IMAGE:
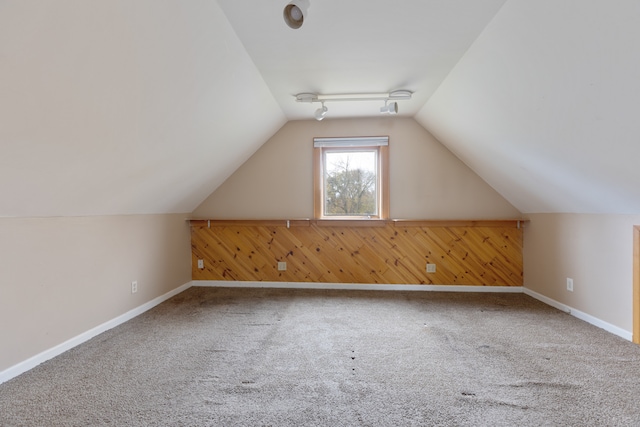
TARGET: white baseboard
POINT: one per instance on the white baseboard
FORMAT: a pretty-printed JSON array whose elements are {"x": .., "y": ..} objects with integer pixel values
[
  {"x": 356, "y": 286},
  {"x": 34, "y": 361},
  {"x": 581, "y": 315}
]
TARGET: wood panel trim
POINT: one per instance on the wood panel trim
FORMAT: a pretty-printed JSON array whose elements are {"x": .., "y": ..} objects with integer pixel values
[
  {"x": 518, "y": 223},
  {"x": 384, "y": 183},
  {"x": 317, "y": 183},
  {"x": 250, "y": 222},
  {"x": 636, "y": 284},
  {"x": 509, "y": 223}
]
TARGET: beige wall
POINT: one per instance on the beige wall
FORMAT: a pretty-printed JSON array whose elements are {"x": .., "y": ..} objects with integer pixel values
[
  {"x": 60, "y": 277},
  {"x": 596, "y": 251},
  {"x": 427, "y": 180}
]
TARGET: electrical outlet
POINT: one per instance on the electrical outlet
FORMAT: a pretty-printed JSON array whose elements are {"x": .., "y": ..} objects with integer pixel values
[
  {"x": 200, "y": 264},
  {"x": 431, "y": 268},
  {"x": 569, "y": 284},
  {"x": 134, "y": 286},
  {"x": 282, "y": 266}
]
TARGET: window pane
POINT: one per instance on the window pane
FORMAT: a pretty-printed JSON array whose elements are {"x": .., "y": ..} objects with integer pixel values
[{"x": 350, "y": 181}]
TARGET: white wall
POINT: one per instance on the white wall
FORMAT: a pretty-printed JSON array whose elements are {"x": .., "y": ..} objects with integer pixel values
[
  {"x": 426, "y": 180},
  {"x": 594, "y": 250},
  {"x": 60, "y": 277}
]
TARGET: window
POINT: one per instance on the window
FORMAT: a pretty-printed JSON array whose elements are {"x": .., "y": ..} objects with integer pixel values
[{"x": 351, "y": 178}]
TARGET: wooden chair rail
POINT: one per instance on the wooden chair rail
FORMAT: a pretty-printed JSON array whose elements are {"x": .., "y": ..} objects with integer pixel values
[{"x": 515, "y": 223}]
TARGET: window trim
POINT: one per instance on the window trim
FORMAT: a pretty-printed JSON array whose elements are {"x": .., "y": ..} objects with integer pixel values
[{"x": 379, "y": 143}]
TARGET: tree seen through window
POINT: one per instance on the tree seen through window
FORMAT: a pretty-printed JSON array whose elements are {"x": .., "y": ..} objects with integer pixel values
[{"x": 350, "y": 183}]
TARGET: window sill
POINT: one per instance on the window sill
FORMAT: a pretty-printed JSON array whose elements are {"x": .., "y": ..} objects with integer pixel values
[{"x": 351, "y": 222}]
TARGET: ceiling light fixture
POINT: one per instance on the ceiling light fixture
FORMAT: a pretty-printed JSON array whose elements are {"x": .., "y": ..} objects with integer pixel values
[
  {"x": 295, "y": 12},
  {"x": 388, "y": 108},
  {"x": 321, "y": 112}
]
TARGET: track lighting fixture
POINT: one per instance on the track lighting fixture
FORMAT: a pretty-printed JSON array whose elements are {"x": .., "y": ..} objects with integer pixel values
[
  {"x": 321, "y": 112},
  {"x": 389, "y": 108},
  {"x": 390, "y": 104},
  {"x": 295, "y": 12}
]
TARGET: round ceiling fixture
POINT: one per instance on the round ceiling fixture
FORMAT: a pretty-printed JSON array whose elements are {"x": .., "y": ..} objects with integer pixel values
[{"x": 295, "y": 12}]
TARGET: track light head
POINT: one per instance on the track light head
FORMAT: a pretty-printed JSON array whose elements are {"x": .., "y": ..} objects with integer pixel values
[
  {"x": 295, "y": 12},
  {"x": 391, "y": 108},
  {"x": 321, "y": 112}
]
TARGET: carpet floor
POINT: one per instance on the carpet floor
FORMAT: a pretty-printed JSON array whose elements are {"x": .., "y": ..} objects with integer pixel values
[{"x": 275, "y": 357}]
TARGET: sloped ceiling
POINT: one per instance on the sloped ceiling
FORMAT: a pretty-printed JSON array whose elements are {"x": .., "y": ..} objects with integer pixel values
[
  {"x": 144, "y": 106},
  {"x": 129, "y": 107},
  {"x": 544, "y": 106},
  {"x": 358, "y": 46},
  {"x": 123, "y": 107}
]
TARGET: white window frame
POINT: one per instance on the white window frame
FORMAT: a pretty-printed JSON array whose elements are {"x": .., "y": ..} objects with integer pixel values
[{"x": 380, "y": 144}]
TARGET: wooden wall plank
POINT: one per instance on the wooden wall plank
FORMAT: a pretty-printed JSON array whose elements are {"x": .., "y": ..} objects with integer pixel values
[{"x": 465, "y": 253}]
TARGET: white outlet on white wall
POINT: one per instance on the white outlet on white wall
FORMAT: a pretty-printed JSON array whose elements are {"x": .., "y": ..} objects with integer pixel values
[
  {"x": 134, "y": 286},
  {"x": 201, "y": 264},
  {"x": 569, "y": 284}
]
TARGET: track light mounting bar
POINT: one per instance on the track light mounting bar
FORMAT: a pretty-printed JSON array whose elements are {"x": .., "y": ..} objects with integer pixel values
[{"x": 390, "y": 96}]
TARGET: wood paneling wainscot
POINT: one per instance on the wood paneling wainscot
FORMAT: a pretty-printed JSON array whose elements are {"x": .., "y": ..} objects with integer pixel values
[{"x": 480, "y": 253}]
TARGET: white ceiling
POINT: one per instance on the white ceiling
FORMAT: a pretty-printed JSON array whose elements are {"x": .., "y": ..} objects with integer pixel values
[
  {"x": 358, "y": 46},
  {"x": 140, "y": 106}
]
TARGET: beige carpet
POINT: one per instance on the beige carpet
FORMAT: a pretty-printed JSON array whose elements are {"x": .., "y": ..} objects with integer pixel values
[{"x": 260, "y": 357}]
